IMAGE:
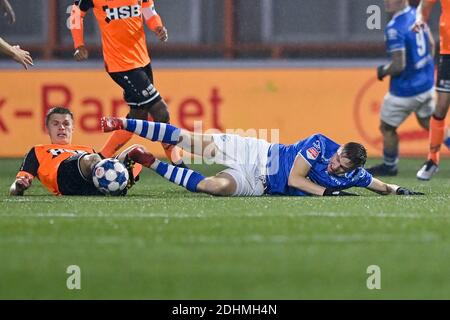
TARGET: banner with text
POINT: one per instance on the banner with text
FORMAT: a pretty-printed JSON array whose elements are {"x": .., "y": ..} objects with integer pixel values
[{"x": 343, "y": 104}]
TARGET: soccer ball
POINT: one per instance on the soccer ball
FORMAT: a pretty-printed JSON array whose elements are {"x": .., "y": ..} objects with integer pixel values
[{"x": 110, "y": 177}]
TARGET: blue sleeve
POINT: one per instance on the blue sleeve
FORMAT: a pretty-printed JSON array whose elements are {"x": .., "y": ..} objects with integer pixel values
[
  {"x": 395, "y": 40},
  {"x": 312, "y": 149},
  {"x": 364, "y": 179}
]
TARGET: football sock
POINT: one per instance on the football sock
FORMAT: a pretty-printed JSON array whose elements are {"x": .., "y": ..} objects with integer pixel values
[
  {"x": 390, "y": 158},
  {"x": 183, "y": 177},
  {"x": 437, "y": 131},
  {"x": 154, "y": 131},
  {"x": 115, "y": 141}
]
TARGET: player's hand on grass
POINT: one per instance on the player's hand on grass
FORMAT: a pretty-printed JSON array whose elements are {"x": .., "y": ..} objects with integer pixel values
[
  {"x": 161, "y": 33},
  {"x": 406, "y": 192},
  {"x": 21, "y": 56},
  {"x": 20, "y": 185},
  {"x": 7, "y": 11},
  {"x": 337, "y": 193},
  {"x": 81, "y": 53}
]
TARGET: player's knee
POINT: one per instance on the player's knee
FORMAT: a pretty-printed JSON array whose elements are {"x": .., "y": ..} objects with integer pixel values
[
  {"x": 442, "y": 105},
  {"x": 136, "y": 113},
  {"x": 440, "y": 112},
  {"x": 88, "y": 162},
  {"x": 424, "y": 122},
  {"x": 218, "y": 190},
  {"x": 160, "y": 112},
  {"x": 91, "y": 160},
  {"x": 217, "y": 187},
  {"x": 387, "y": 129}
]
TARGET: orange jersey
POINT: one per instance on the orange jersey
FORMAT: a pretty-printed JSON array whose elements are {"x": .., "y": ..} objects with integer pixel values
[
  {"x": 43, "y": 161},
  {"x": 121, "y": 24},
  {"x": 444, "y": 24}
]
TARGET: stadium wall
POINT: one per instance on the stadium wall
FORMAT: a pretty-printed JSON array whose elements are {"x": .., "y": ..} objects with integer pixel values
[{"x": 342, "y": 103}]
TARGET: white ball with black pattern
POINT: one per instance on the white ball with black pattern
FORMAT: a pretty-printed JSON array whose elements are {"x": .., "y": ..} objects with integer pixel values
[{"x": 110, "y": 177}]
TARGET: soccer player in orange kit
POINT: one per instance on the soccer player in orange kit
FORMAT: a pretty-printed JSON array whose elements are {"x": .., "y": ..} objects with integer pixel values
[
  {"x": 62, "y": 167},
  {"x": 437, "y": 122},
  {"x": 126, "y": 59}
]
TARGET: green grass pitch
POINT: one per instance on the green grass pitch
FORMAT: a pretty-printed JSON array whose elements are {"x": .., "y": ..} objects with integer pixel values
[{"x": 162, "y": 242}]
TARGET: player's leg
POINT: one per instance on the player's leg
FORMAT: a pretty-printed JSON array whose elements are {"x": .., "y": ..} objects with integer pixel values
[
  {"x": 393, "y": 112},
  {"x": 425, "y": 109},
  {"x": 424, "y": 122},
  {"x": 223, "y": 184},
  {"x": 437, "y": 122},
  {"x": 134, "y": 169},
  {"x": 119, "y": 138},
  {"x": 160, "y": 113},
  {"x": 143, "y": 99},
  {"x": 390, "y": 145},
  {"x": 437, "y": 126},
  {"x": 74, "y": 175},
  {"x": 390, "y": 152},
  {"x": 245, "y": 157},
  {"x": 436, "y": 138},
  {"x": 155, "y": 105},
  {"x": 184, "y": 177},
  {"x": 163, "y": 132},
  {"x": 87, "y": 163}
]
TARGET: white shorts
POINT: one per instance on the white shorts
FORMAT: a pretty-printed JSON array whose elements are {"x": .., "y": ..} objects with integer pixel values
[
  {"x": 396, "y": 109},
  {"x": 246, "y": 159}
]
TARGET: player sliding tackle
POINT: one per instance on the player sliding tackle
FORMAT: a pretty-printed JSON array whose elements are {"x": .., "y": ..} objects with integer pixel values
[{"x": 313, "y": 166}]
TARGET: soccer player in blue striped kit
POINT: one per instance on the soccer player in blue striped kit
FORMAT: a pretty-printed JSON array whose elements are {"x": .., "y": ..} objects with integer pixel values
[
  {"x": 411, "y": 86},
  {"x": 313, "y": 166}
]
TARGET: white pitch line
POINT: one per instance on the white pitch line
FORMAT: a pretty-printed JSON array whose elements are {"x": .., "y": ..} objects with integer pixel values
[
  {"x": 246, "y": 239},
  {"x": 202, "y": 215}
]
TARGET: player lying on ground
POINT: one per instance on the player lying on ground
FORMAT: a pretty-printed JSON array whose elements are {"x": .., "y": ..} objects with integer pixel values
[
  {"x": 63, "y": 168},
  {"x": 314, "y": 166}
]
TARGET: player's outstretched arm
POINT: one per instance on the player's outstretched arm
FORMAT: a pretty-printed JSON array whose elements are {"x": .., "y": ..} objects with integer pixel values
[
  {"x": 7, "y": 11},
  {"x": 382, "y": 188},
  {"x": 423, "y": 14},
  {"x": 298, "y": 179},
  {"x": 19, "y": 186},
  {"x": 16, "y": 53}
]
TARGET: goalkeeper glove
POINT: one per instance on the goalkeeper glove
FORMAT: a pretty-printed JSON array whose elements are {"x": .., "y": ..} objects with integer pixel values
[
  {"x": 336, "y": 193},
  {"x": 406, "y": 192},
  {"x": 381, "y": 73}
]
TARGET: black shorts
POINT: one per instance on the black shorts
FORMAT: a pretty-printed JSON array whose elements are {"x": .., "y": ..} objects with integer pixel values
[
  {"x": 71, "y": 181},
  {"x": 443, "y": 79},
  {"x": 137, "y": 85}
]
